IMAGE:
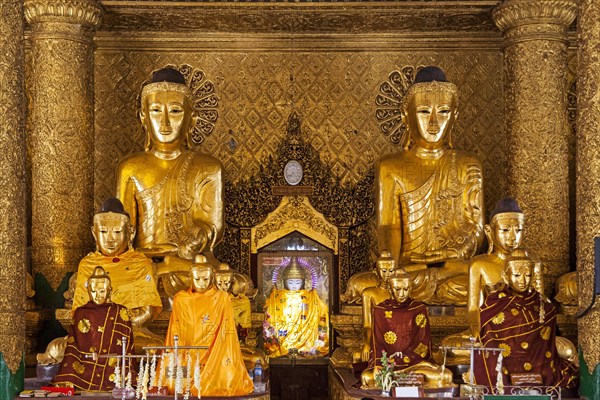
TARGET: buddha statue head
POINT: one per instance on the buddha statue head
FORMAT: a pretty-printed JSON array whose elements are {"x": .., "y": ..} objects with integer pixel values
[
  {"x": 400, "y": 286},
  {"x": 505, "y": 230},
  {"x": 294, "y": 275},
  {"x": 429, "y": 109},
  {"x": 167, "y": 112},
  {"x": 224, "y": 277},
  {"x": 385, "y": 267},
  {"x": 201, "y": 274},
  {"x": 112, "y": 229},
  {"x": 98, "y": 286},
  {"x": 518, "y": 272}
]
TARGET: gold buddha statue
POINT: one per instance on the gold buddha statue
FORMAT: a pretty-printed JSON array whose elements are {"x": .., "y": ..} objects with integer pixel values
[
  {"x": 172, "y": 193},
  {"x": 400, "y": 327},
  {"x": 203, "y": 316},
  {"x": 242, "y": 314},
  {"x": 98, "y": 326},
  {"x": 372, "y": 296},
  {"x": 518, "y": 319},
  {"x": 429, "y": 197},
  {"x": 505, "y": 235},
  {"x": 133, "y": 275},
  {"x": 296, "y": 319}
]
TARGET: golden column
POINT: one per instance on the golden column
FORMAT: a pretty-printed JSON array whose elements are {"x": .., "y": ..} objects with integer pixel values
[
  {"x": 535, "y": 65},
  {"x": 61, "y": 132},
  {"x": 12, "y": 202},
  {"x": 588, "y": 189}
]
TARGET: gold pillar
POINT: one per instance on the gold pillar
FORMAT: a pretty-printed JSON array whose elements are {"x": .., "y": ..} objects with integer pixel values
[
  {"x": 535, "y": 65},
  {"x": 61, "y": 132},
  {"x": 12, "y": 184},
  {"x": 588, "y": 172}
]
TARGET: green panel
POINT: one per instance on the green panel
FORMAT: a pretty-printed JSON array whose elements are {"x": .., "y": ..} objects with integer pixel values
[
  {"x": 11, "y": 384},
  {"x": 589, "y": 384}
]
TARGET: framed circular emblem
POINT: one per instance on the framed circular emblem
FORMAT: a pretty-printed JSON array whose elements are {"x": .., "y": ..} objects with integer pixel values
[{"x": 292, "y": 172}]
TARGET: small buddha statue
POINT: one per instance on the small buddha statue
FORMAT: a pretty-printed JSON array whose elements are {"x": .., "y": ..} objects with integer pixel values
[
  {"x": 517, "y": 319},
  {"x": 203, "y": 316},
  {"x": 172, "y": 193},
  {"x": 98, "y": 327},
  {"x": 372, "y": 296},
  {"x": 296, "y": 319},
  {"x": 133, "y": 275},
  {"x": 242, "y": 314},
  {"x": 504, "y": 234},
  {"x": 400, "y": 326},
  {"x": 429, "y": 197}
]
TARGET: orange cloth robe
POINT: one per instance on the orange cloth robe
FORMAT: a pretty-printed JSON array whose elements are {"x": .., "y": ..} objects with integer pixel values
[
  {"x": 96, "y": 329},
  {"x": 296, "y": 319},
  {"x": 206, "y": 319},
  {"x": 132, "y": 277}
]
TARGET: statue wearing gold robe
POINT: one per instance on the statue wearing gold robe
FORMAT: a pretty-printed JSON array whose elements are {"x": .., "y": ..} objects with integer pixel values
[
  {"x": 430, "y": 196},
  {"x": 296, "y": 318}
]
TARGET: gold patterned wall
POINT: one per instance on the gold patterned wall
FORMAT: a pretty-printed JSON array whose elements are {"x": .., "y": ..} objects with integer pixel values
[{"x": 333, "y": 92}]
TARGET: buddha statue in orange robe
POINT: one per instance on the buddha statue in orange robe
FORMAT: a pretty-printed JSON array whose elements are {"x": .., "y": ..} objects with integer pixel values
[{"x": 203, "y": 316}]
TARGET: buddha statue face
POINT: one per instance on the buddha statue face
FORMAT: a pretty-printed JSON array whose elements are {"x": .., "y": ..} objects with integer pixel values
[
  {"x": 518, "y": 275},
  {"x": 294, "y": 275},
  {"x": 385, "y": 267},
  {"x": 201, "y": 278},
  {"x": 112, "y": 233},
  {"x": 99, "y": 290},
  {"x": 167, "y": 116},
  {"x": 430, "y": 116},
  {"x": 505, "y": 233},
  {"x": 224, "y": 280},
  {"x": 294, "y": 284},
  {"x": 400, "y": 288}
]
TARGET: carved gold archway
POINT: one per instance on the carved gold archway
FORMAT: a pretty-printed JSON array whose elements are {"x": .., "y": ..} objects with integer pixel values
[{"x": 295, "y": 213}]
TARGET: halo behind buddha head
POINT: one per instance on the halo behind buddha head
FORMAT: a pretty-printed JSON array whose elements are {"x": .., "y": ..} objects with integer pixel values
[
  {"x": 506, "y": 207},
  {"x": 112, "y": 205},
  {"x": 168, "y": 79}
]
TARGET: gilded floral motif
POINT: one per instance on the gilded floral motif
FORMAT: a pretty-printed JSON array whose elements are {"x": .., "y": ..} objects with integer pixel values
[
  {"x": 498, "y": 319},
  {"x": 390, "y": 337},
  {"x": 388, "y": 314},
  {"x": 545, "y": 333},
  {"x": 506, "y": 350},
  {"x": 84, "y": 326},
  {"x": 421, "y": 320},
  {"x": 124, "y": 314},
  {"x": 78, "y": 367},
  {"x": 422, "y": 350}
]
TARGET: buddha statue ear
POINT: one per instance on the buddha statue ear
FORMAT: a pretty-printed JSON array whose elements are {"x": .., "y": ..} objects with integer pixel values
[
  {"x": 95, "y": 238},
  {"x": 142, "y": 117},
  {"x": 188, "y": 141},
  {"x": 488, "y": 233},
  {"x": 132, "y": 233}
]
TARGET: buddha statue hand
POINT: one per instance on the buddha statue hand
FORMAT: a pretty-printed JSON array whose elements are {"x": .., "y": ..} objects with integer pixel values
[
  {"x": 434, "y": 256},
  {"x": 196, "y": 244},
  {"x": 366, "y": 352}
]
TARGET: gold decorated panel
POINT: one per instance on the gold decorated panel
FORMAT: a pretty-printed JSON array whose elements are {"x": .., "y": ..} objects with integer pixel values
[{"x": 333, "y": 90}]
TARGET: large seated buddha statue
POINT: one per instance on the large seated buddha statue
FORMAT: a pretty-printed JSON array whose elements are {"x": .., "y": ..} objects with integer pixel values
[
  {"x": 399, "y": 326},
  {"x": 203, "y": 316},
  {"x": 429, "y": 197},
  {"x": 172, "y": 193},
  {"x": 98, "y": 327},
  {"x": 518, "y": 320},
  {"x": 296, "y": 319}
]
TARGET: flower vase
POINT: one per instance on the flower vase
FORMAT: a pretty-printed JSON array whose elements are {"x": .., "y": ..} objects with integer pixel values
[{"x": 385, "y": 393}]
